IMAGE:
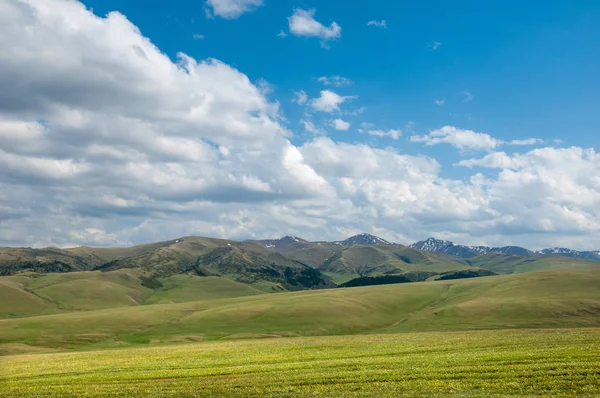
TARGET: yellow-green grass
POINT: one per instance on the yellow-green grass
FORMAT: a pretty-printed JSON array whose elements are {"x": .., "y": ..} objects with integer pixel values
[
  {"x": 16, "y": 301},
  {"x": 536, "y": 300},
  {"x": 184, "y": 288},
  {"x": 549, "y": 363},
  {"x": 506, "y": 264},
  {"x": 37, "y": 294}
]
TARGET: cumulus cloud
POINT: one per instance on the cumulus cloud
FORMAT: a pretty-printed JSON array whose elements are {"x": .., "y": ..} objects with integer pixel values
[
  {"x": 440, "y": 101},
  {"x": 393, "y": 134},
  {"x": 379, "y": 24},
  {"x": 311, "y": 128},
  {"x": 109, "y": 114},
  {"x": 337, "y": 81},
  {"x": 459, "y": 138},
  {"x": 300, "y": 97},
  {"x": 468, "y": 139},
  {"x": 554, "y": 181},
  {"x": 104, "y": 140},
  {"x": 328, "y": 101},
  {"x": 231, "y": 9},
  {"x": 303, "y": 23},
  {"x": 340, "y": 125},
  {"x": 527, "y": 141},
  {"x": 364, "y": 126}
]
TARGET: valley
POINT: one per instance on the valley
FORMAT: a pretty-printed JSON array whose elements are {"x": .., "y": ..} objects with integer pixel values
[{"x": 171, "y": 309}]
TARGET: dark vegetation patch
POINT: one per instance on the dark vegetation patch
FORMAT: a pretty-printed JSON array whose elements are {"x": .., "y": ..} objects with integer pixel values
[
  {"x": 376, "y": 280},
  {"x": 151, "y": 282},
  {"x": 464, "y": 274},
  {"x": 52, "y": 266}
]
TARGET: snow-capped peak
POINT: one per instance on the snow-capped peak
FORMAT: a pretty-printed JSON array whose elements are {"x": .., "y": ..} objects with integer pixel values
[
  {"x": 480, "y": 249},
  {"x": 364, "y": 239},
  {"x": 432, "y": 245}
]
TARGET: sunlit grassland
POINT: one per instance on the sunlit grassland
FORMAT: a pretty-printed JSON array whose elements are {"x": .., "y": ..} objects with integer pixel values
[
  {"x": 482, "y": 363},
  {"x": 556, "y": 299}
]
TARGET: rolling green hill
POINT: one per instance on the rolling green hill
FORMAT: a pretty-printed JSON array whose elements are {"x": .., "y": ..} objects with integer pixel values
[
  {"x": 30, "y": 294},
  {"x": 532, "y": 300},
  {"x": 239, "y": 261},
  {"x": 13, "y": 260},
  {"x": 287, "y": 264},
  {"x": 510, "y": 264},
  {"x": 342, "y": 263}
]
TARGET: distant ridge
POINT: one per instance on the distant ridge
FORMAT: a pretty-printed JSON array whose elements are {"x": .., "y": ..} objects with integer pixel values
[
  {"x": 293, "y": 242},
  {"x": 291, "y": 262},
  {"x": 282, "y": 243},
  {"x": 443, "y": 246},
  {"x": 364, "y": 239}
]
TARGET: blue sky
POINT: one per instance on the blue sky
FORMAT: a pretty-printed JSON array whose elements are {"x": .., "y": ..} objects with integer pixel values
[
  {"x": 466, "y": 120},
  {"x": 531, "y": 69}
]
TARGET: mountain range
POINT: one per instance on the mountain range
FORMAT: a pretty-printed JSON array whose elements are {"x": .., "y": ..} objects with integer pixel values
[
  {"x": 292, "y": 263},
  {"x": 444, "y": 246}
]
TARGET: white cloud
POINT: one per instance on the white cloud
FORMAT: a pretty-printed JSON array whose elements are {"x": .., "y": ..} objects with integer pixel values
[
  {"x": 547, "y": 190},
  {"x": 328, "y": 101},
  {"x": 303, "y": 23},
  {"x": 364, "y": 126},
  {"x": 264, "y": 87},
  {"x": 468, "y": 139},
  {"x": 492, "y": 160},
  {"x": 232, "y": 9},
  {"x": 459, "y": 138},
  {"x": 282, "y": 34},
  {"x": 110, "y": 142},
  {"x": 379, "y": 24},
  {"x": 527, "y": 141},
  {"x": 340, "y": 125},
  {"x": 311, "y": 128},
  {"x": 393, "y": 134},
  {"x": 198, "y": 36},
  {"x": 434, "y": 45},
  {"x": 440, "y": 101},
  {"x": 300, "y": 97},
  {"x": 356, "y": 111},
  {"x": 337, "y": 81}
]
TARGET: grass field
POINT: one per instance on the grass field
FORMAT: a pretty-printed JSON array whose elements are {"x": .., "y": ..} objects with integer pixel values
[
  {"x": 464, "y": 364},
  {"x": 32, "y": 294},
  {"x": 506, "y": 264},
  {"x": 509, "y": 335},
  {"x": 535, "y": 300}
]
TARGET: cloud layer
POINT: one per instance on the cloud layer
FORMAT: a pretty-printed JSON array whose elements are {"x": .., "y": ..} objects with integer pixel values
[
  {"x": 303, "y": 23},
  {"x": 231, "y": 9},
  {"x": 105, "y": 140},
  {"x": 328, "y": 101}
]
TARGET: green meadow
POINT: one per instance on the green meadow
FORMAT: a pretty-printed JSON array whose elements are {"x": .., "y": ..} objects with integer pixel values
[
  {"x": 532, "y": 334},
  {"x": 549, "y": 363}
]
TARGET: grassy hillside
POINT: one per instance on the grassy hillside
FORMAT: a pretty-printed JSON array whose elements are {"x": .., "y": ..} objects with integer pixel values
[
  {"x": 286, "y": 264},
  {"x": 242, "y": 262},
  {"x": 15, "y": 301},
  {"x": 184, "y": 288},
  {"x": 100, "y": 256},
  {"x": 510, "y": 264},
  {"x": 343, "y": 264},
  {"x": 35, "y": 294},
  {"x": 13, "y": 260},
  {"x": 545, "y": 299},
  {"x": 519, "y": 363}
]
